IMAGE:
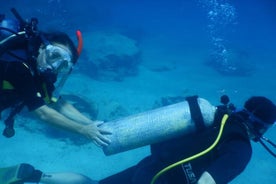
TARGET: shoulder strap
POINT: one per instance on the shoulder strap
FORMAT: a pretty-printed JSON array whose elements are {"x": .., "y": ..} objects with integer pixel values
[{"x": 196, "y": 113}]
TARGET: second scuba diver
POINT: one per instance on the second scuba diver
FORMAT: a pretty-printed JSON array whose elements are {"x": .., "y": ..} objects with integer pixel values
[
  {"x": 218, "y": 165},
  {"x": 33, "y": 67}
]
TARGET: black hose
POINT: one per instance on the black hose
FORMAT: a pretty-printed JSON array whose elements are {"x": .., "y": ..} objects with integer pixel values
[{"x": 266, "y": 147}]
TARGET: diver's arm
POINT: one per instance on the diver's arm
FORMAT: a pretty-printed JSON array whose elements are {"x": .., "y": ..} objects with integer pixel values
[
  {"x": 71, "y": 112},
  {"x": 65, "y": 178},
  {"x": 53, "y": 117},
  {"x": 206, "y": 178}
]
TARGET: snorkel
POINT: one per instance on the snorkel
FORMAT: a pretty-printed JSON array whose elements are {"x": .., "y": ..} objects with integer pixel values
[
  {"x": 80, "y": 42},
  {"x": 64, "y": 78}
]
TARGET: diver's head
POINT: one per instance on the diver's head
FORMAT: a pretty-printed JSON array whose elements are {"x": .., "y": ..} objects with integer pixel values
[
  {"x": 261, "y": 115},
  {"x": 56, "y": 54},
  {"x": 54, "y": 57}
]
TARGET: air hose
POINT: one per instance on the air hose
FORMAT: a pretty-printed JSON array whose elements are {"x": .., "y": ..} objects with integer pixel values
[{"x": 223, "y": 121}]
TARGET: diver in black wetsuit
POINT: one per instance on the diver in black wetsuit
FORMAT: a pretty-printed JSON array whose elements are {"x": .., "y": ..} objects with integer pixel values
[
  {"x": 33, "y": 67},
  {"x": 219, "y": 166}
]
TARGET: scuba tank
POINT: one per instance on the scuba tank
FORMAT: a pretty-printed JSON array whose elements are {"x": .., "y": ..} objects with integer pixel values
[
  {"x": 16, "y": 31},
  {"x": 184, "y": 118},
  {"x": 8, "y": 27}
]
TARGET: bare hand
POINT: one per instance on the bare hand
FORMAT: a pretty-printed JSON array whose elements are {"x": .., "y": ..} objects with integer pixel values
[{"x": 97, "y": 134}]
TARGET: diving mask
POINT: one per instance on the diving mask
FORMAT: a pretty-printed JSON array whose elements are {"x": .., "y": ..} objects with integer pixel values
[
  {"x": 54, "y": 62},
  {"x": 56, "y": 58},
  {"x": 257, "y": 126}
]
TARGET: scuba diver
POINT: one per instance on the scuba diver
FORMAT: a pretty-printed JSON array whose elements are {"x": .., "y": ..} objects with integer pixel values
[
  {"x": 33, "y": 68},
  {"x": 215, "y": 155},
  {"x": 188, "y": 159}
]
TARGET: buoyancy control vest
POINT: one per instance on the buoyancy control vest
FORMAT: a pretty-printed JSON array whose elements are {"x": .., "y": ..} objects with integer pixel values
[{"x": 18, "y": 44}]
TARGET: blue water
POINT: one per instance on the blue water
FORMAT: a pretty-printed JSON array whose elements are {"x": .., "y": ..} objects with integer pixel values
[{"x": 204, "y": 47}]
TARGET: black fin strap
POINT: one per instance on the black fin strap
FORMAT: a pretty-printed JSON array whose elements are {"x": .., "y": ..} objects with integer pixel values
[{"x": 196, "y": 114}]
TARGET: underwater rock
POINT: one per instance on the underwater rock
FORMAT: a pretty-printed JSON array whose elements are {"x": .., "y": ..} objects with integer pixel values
[
  {"x": 87, "y": 108},
  {"x": 162, "y": 68},
  {"x": 118, "y": 112},
  {"x": 114, "y": 56},
  {"x": 112, "y": 110},
  {"x": 231, "y": 62},
  {"x": 168, "y": 100}
]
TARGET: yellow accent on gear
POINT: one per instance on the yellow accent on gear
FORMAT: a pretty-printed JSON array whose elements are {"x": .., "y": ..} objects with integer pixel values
[
  {"x": 223, "y": 121},
  {"x": 47, "y": 98},
  {"x": 7, "y": 85}
]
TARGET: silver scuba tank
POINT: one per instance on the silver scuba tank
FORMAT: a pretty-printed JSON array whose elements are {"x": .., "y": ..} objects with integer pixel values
[{"x": 155, "y": 126}]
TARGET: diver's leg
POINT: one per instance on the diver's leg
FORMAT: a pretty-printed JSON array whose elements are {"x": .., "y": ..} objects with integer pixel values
[
  {"x": 26, "y": 173},
  {"x": 66, "y": 178},
  {"x": 19, "y": 174},
  {"x": 136, "y": 174}
]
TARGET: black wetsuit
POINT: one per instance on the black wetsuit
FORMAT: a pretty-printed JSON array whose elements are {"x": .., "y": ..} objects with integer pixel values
[
  {"x": 24, "y": 86},
  {"x": 28, "y": 87},
  {"x": 227, "y": 160}
]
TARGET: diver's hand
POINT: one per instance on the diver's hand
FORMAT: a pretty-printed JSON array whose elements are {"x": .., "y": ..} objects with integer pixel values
[{"x": 94, "y": 132}]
